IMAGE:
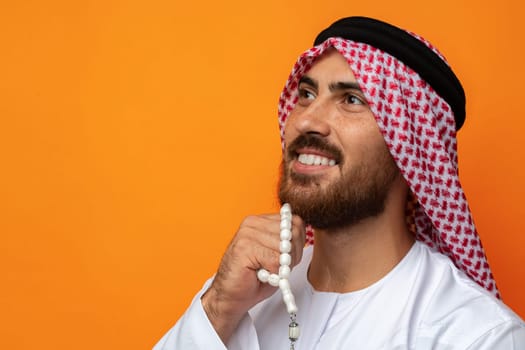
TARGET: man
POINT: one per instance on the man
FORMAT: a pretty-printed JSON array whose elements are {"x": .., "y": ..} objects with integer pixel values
[{"x": 368, "y": 123}]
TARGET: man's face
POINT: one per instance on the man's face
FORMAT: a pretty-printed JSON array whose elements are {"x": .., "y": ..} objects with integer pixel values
[{"x": 336, "y": 166}]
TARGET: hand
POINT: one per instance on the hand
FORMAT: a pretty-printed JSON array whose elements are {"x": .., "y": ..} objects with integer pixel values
[{"x": 236, "y": 288}]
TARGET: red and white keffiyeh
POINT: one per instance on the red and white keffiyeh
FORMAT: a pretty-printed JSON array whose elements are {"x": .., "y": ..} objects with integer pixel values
[{"x": 419, "y": 129}]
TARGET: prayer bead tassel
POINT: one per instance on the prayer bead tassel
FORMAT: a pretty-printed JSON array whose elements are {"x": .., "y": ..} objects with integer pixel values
[
  {"x": 293, "y": 331},
  {"x": 281, "y": 280}
]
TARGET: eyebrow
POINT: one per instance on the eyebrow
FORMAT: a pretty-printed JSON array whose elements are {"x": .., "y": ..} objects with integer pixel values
[
  {"x": 307, "y": 80},
  {"x": 342, "y": 85}
]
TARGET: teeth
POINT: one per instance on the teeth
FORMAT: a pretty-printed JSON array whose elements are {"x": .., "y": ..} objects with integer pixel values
[{"x": 311, "y": 159}]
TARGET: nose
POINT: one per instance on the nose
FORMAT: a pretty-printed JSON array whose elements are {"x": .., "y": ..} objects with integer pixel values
[{"x": 312, "y": 119}]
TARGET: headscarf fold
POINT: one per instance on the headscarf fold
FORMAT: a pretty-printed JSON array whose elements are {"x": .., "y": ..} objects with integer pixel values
[{"x": 419, "y": 128}]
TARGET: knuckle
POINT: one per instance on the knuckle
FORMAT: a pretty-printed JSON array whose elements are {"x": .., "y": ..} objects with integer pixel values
[
  {"x": 249, "y": 220},
  {"x": 270, "y": 259},
  {"x": 240, "y": 244}
]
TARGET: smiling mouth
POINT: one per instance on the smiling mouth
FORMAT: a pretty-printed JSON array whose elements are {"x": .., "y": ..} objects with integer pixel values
[
  {"x": 313, "y": 154},
  {"x": 314, "y": 159}
]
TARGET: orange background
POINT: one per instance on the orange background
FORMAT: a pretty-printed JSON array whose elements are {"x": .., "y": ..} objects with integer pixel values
[{"x": 135, "y": 136}]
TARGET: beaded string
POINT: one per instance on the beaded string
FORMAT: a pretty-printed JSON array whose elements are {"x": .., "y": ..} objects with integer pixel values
[{"x": 281, "y": 280}]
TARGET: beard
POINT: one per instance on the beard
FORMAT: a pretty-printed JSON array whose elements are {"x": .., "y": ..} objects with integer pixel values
[{"x": 359, "y": 193}]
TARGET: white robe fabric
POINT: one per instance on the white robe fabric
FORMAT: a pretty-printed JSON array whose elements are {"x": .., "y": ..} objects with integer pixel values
[{"x": 425, "y": 302}]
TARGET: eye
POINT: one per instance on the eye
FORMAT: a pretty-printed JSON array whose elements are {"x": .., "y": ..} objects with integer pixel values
[
  {"x": 305, "y": 96},
  {"x": 353, "y": 100},
  {"x": 304, "y": 93}
]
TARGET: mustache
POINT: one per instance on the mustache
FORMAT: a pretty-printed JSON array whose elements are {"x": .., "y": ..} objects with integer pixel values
[{"x": 316, "y": 142}]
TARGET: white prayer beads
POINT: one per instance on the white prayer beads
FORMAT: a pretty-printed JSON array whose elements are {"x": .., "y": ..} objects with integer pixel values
[
  {"x": 284, "y": 271},
  {"x": 263, "y": 275},
  {"x": 273, "y": 280},
  {"x": 281, "y": 280}
]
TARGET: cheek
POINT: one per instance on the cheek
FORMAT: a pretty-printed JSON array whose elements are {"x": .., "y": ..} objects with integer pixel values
[
  {"x": 361, "y": 141},
  {"x": 290, "y": 133}
]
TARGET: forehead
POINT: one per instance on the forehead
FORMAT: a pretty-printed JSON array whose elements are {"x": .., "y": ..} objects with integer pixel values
[{"x": 331, "y": 66}]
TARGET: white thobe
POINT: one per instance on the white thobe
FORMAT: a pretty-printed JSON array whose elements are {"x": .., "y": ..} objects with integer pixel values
[{"x": 425, "y": 302}]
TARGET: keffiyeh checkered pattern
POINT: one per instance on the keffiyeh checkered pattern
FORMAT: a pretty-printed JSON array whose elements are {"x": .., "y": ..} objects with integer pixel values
[{"x": 419, "y": 129}]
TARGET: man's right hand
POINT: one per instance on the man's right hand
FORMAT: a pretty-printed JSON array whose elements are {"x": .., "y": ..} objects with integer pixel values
[{"x": 236, "y": 288}]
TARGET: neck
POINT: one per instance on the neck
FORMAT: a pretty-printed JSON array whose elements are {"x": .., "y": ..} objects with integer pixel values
[{"x": 352, "y": 258}]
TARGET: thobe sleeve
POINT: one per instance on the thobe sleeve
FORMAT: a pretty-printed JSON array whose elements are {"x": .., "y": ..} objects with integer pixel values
[
  {"x": 507, "y": 336},
  {"x": 194, "y": 331}
]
